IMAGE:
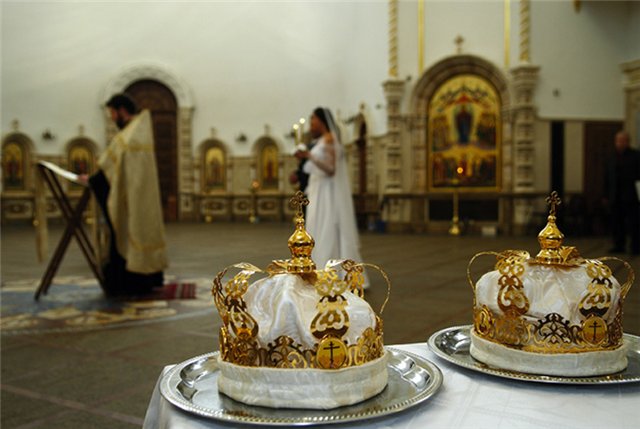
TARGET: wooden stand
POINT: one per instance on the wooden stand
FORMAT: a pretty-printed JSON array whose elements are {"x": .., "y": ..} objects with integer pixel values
[{"x": 73, "y": 219}]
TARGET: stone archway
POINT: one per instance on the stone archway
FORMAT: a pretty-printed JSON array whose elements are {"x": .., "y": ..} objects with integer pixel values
[{"x": 185, "y": 106}]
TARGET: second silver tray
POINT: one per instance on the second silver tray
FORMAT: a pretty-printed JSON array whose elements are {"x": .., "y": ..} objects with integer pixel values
[
  {"x": 193, "y": 386},
  {"x": 452, "y": 344}
]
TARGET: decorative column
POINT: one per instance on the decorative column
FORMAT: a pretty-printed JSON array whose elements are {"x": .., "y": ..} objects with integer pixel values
[
  {"x": 186, "y": 179},
  {"x": 391, "y": 172},
  {"x": 507, "y": 33},
  {"x": 523, "y": 114},
  {"x": 420, "y": 37},
  {"x": 393, "y": 91},
  {"x": 525, "y": 31},
  {"x": 393, "y": 39}
]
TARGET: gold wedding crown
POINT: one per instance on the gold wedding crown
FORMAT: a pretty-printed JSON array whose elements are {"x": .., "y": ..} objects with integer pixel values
[
  {"x": 553, "y": 333},
  {"x": 239, "y": 332}
]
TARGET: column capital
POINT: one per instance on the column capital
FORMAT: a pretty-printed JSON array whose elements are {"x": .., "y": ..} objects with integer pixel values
[{"x": 393, "y": 88}]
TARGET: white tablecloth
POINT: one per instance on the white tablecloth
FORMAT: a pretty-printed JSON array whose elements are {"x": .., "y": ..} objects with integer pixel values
[{"x": 468, "y": 399}]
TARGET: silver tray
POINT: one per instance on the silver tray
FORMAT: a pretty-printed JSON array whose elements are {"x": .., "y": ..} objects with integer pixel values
[
  {"x": 193, "y": 387},
  {"x": 452, "y": 344}
]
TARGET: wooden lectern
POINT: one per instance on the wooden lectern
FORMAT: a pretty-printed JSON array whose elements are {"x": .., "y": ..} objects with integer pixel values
[{"x": 73, "y": 218}]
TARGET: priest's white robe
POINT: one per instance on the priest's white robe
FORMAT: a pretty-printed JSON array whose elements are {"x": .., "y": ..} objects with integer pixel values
[{"x": 134, "y": 206}]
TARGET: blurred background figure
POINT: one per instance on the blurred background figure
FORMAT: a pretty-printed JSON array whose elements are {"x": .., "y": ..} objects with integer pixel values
[
  {"x": 330, "y": 215},
  {"x": 623, "y": 181}
]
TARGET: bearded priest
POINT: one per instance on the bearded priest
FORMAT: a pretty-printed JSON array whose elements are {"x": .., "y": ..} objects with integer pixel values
[{"x": 126, "y": 188}]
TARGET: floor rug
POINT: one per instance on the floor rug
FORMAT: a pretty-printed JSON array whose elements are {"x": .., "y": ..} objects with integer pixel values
[{"x": 78, "y": 303}]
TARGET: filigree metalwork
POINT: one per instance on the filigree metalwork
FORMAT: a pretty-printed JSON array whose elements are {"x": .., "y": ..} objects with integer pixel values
[
  {"x": 238, "y": 335},
  {"x": 239, "y": 332},
  {"x": 598, "y": 300},
  {"x": 513, "y": 327},
  {"x": 551, "y": 334},
  {"x": 511, "y": 297},
  {"x": 354, "y": 277},
  {"x": 284, "y": 353},
  {"x": 483, "y": 321},
  {"x": 511, "y": 330}
]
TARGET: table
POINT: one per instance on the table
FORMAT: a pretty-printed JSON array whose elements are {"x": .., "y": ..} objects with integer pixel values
[{"x": 468, "y": 399}]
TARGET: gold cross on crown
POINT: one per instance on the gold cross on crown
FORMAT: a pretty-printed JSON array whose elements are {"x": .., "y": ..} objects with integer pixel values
[
  {"x": 298, "y": 201},
  {"x": 554, "y": 201}
]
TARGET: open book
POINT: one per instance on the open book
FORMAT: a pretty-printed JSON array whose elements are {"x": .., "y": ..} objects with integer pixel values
[{"x": 66, "y": 174}]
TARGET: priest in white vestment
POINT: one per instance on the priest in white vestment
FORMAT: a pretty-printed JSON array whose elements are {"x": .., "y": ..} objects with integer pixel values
[
  {"x": 127, "y": 189},
  {"x": 330, "y": 217}
]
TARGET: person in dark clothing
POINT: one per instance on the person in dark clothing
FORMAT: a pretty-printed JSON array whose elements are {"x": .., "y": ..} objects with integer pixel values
[
  {"x": 623, "y": 174},
  {"x": 302, "y": 177},
  {"x": 299, "y": 176}
]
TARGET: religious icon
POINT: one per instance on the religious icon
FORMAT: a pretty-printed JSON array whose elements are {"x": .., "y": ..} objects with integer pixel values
[
  {"x": 463, "y": 118},
  {"x": 80, "y": 160},
  {"x": 269, "y": 166},
  {"x": 594, "y": 329},
  {"x": 464, "y": 135},
  {"x": 486, "y": 130},
  {"x": 214, "y": 169},
  {"x": 331, "y": 354},
  {"x": 13, "y": 166}
]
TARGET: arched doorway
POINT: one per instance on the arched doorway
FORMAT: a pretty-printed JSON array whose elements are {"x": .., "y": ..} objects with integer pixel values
[{"x": 160, "y": 100}]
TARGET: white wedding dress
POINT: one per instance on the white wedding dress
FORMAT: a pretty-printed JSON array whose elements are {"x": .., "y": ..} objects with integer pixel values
[{"x": 330, "y": 216}]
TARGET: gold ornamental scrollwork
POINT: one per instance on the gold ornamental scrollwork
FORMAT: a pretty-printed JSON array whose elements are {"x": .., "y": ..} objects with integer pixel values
[
  {"x": 239, "y": 332},
  {"x": 598, "y": 299},
  {"x": 511, "y": 297},
  {"x": 483, "y": 321},
  {"x": 631, "y": 276},
  {"x": 596, "y": 328}
]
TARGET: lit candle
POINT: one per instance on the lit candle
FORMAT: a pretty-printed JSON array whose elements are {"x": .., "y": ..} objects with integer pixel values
[
  {"x": 295, "y": 133},
  {"x": 301, "y": 122}
]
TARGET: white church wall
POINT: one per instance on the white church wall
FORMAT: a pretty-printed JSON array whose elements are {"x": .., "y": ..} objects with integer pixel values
[
  {"x": 265, "y": 62},
  {"x": 408, "y": 42},
  {"x": 633, "y": 34},
  {"x": 247, "y": 64},
  {"x": 579, "y": 54},
  {"x": 479, "y": 22},
  {"x": 366, "y": 64}
]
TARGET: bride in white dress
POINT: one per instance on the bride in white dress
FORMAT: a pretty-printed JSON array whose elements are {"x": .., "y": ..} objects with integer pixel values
[{"x": 330, "y": 215}]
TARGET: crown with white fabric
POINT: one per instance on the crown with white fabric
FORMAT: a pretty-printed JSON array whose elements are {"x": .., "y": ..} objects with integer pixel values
[
  {"x": 554, "y": 303},
  {"x": 260, "y": 329}
]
